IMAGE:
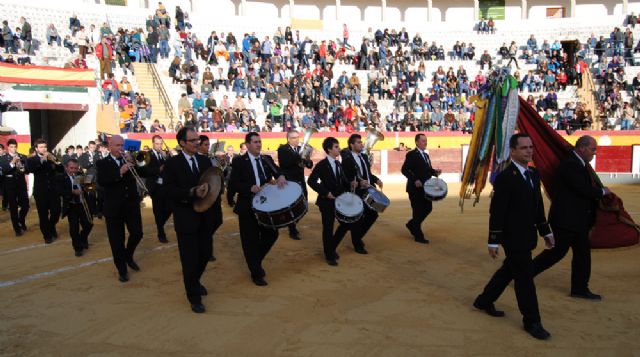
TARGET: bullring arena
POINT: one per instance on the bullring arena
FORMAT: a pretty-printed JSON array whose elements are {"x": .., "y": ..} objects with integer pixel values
[{"x": 401, "y": 299}]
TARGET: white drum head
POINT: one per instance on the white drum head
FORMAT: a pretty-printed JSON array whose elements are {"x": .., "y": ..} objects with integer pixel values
[
  {"x": 271, "y": 198},
  {"x": 349, "y": 204}
]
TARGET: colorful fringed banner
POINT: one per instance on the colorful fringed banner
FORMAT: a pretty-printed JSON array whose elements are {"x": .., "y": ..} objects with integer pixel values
[{"x": 13, "y": 73}]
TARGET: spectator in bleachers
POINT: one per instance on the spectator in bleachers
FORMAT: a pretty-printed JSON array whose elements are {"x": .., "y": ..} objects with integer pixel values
[
  {"x": 68, "y": 44},
  {"x": 74, "y": 24},
  {"x": 110, "y": 89},
  {"x": 53, "y": 36},
  {"x": 104, "y": 53},
  {"x": 139, "y": 127},
  {"x": 197, "y": 103},
  {"x": 7, "y": 37},
  {"x": 126, "y": 88},
  {"x": 26, "y": 36},
  {"x": 485, "y": 59},
  {"x": 627, "y": 117},
  {"x": 82, "y": 38},
  {"x": 157, "y": 127}
]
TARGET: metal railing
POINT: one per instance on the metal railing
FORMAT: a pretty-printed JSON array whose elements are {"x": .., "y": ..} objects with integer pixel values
[
  {"x": 164, "y": 98},
  {"x": 587, "y": 95}
]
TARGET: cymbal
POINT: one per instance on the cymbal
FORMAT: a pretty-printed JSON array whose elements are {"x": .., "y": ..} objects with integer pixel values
[{"x": 213, "y": 177}]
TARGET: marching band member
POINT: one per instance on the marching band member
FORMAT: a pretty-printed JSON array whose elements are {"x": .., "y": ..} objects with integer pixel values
[
  {"x": 194, "y": 230},
  {"x": 249, "y": 173},
  {"x": 292, "y": 166},
  {"x": 155, "y": 184},
  {"x": 87, "y": 162},
  {"x": 357, "y": 167},
  {"x": 329, "y": 181},
  {"x": 417, "y": 169},
  {"x": 44, "y": 167},
  {"x": 15, "y": 186},
  {"x": 121, "y": 206},
  {"x": 203, "y": 150},
  {"x": 72, "y": 208}
]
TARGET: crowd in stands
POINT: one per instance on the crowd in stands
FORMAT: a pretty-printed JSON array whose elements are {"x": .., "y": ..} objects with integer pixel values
[{"x": 288, "y": 81}]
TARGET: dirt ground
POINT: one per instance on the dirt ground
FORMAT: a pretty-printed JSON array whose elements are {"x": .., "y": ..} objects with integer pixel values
[{"x": 403, "y": 299}]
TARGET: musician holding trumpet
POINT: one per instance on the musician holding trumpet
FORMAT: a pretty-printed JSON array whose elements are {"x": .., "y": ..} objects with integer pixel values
[
  {"x": 121, "y": 180},
  {"x": 75, "y": 207},
  {"x": 45, "y": 166},
  {"x": 15, "y": 186},
  {"x": 293, "y": 158}
]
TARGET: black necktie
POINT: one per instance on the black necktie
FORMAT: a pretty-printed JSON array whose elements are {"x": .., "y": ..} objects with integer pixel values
[
  {"x": 426, "y": 158},
  {"x": 365, "y": 174},
  {"x": 337, "y": 171},
  {"x": 119, "y": 161},
  {"x": 194, "y": 167},
  {"x": 262, "y": 176},
  {"x": 527, "y": 176}
]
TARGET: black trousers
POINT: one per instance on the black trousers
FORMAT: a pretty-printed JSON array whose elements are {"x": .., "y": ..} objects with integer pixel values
[
  {"x": 421, "y": 207},
  {"x": 519, "y": 267},
  {"x": 17, "y": 197},
  {"x": 161, "y": 210},
  {"x": 292, "y": 227},
  {"x": 256, "y": 241},
  {"x": 195, "y": 251},
  {"x": 79, "y": 227},
  {"x": 331, "y": 240},
  {"x": 132, "y": 219},
  {"x": 92, "y": 201},
  {"x": 580, "y": 262},
  {"x": 217, "y": 220},
  {"x": 48, "y": 206},
  {"x": 99, "y": 199},
  {"x": 359, "y": 229}
]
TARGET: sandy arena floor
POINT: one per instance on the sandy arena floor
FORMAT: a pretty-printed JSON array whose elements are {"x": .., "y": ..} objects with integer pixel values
[{"x": 403, "y": 299}]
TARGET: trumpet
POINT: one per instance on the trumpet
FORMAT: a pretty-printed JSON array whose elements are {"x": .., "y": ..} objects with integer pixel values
[
  {"x": 132, "y": 168},
  {"x": 373, "y": 136},
  {"x": 51, "y": 157},
  {"x": 19, "y": 164},
  {"x": 305, "y": 149}
]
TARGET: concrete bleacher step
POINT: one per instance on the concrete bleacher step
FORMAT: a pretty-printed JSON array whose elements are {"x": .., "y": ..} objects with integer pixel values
[{"x": 146, "y": 85}]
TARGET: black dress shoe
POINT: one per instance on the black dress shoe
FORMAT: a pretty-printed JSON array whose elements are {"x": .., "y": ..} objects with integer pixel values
[
  {"x": 99, "y": 215},
  {"x": 212, "y": 258},
  {"x": 490, "y": 310},
  {"x": 203, "y": 290},
  {"x": 163, "y": 239},
  {"x": 263, "y": 273},
  {"x": 124, "y": 277},
  {"x": 48, "y": 240},
  {"x": 410, "y": 228},
  {"x": 85, "y": 246},
  {"x": 133, "y": 265},
  {"x": 332, "y": 262},
  {"x": 23, "y": 226},
  {"x": 19, "y": 233},
  {"x": 422, "y": 240},
  {"x": 78, "y": 253},
  {"x": 198, "y": 308},
  {"x": 259, "y": 281},
  {"x": 361, "y": 250},
  {"x": 337, "y": 256},
  {"x": 536, "y": 330},
  {"x": 54, "y": 235},
  {"x": 588, "y": 295}
]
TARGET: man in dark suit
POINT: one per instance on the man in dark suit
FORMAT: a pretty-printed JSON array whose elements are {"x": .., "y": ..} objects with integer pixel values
[
  {"x": 249, "y": 173},
  {"x": 72, "y": 207},
  {"x": 44, "y": 170},
  {"x": 292, "y": 167},
  {"x": 156, "y": 187},
  {"x": 572, "y": 214},
  {"x": 329, "y": 181},
  {"x": 5, "y": 203},
  {"x": 516, "y": 212},
  {"x": 69, "y": 152},
  {"x": 15, "y": 186},
  {"x": 230, "y": 193},
  {"x": 87, "y": 163},
  {"x": 194, "y": 230},
  {"x": 357, "y": 167},
  {"x": 203, "y": 150},
  {"x": 121, "y": 206},
  {"x": 417, "y": 169}
]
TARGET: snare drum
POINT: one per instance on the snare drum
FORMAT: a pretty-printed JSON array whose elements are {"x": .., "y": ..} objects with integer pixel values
[
  {"x": 349, "y": 207},
  {"x": 435, "y": 189},
  {"x": 376, "y": 200},
  {"x": 278, "y": 207}
]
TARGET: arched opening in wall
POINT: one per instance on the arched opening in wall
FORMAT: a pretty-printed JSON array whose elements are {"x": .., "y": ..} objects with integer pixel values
[
  {"x": 329, "y": 13},
  {"x": 436, "y": 15},
  {"x": 394, "y": 15},
  {"x": 373, "y": 14},
  {"x": 348, "y": 12},
  {"x": 589, "y": 11},
  {"x": 416, "y": 16},
  {"x": 265, "y": 11},
  {"x": 462, "y": 15},
  {"x": 221, "y": 8},
  {"x": 632, "y": 7}
]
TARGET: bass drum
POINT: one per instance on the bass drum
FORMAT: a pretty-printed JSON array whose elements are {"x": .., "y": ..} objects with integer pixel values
[
  {"x": 376, "y": 200},
  {"x": 278, "y": 207},
  {"x": 349, "y": 207},
  {"x": 435, "y": 189}
]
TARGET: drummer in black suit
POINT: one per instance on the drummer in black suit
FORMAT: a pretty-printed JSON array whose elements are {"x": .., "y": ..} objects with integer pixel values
[
  {"x": 155, "y": 185},
  {"x": 417, "y": 169},
  {"x": 357, "y": 167},
  {"x": 203, "y": 150},
  {"x": 72, "y": 208},
  {"x": 248, "y": 174},
  {"x": 194, "y": 230},
  {"x": 329, "y": 181},
  {"x": 292, "y": 166}
]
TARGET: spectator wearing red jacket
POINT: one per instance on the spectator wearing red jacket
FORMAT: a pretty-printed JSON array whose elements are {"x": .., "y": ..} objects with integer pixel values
[
  {"x": 110, "y": 88},
  {"x": 561, "y": 79},
  {"x": 104, "y": 52}
]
